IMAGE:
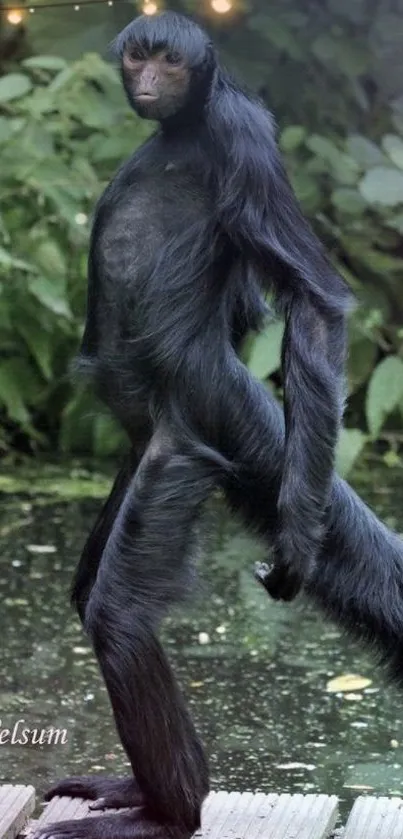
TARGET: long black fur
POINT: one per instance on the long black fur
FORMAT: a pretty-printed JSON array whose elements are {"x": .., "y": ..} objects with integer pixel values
[{"x": 187, "y": 238}]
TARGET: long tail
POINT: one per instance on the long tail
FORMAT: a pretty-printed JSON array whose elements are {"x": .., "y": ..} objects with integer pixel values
[{"x": 358, "y": 579}]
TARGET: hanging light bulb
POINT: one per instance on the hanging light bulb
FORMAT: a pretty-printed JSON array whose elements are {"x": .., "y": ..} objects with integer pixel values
[
  {"x": 15, "y": 17},
  {"x": 150, "y": 8},
  {"x": 222, "y": 7}
]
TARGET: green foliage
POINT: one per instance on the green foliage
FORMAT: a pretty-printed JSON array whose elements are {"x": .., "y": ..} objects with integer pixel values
[
  {"x": 64, "y": 128},
  {"x": 263, "y": 357},
  {"x": 344, "y": 154},
  {"x": 358, "y": 208},
  {"x": 351, "y": 444},
  {"x": 58, "y": 146},
  {"x": 385, "y": 392}
]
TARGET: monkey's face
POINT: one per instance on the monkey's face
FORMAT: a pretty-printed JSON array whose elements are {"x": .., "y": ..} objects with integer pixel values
[{"x": 157, "y": 85}]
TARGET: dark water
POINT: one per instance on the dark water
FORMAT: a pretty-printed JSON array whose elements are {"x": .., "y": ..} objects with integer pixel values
[{"x": 254, "y": 672}]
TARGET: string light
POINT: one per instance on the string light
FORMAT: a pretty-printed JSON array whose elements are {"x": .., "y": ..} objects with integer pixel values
[
  {"x": 15, "y": 17},
  {"x": 11, "y": 10},
  {"x": 150, "y": 8},
  {"x": 222, "y": 7}
]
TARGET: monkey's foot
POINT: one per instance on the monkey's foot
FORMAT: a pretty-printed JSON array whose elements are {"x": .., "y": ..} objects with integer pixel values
[
  {"x": 134, "y": 825},
  {"x": 104, "y": 792},
  {"x": 279, "y": 581}
]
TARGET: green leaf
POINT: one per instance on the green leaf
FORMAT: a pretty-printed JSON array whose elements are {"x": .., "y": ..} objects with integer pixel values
[
  {"x": 65, "y": 205},
  {"x": 113, "y": 148},
  {"x": 108, "y": 436},
  {"x": 382, "y": 186},
  {"x": 94, "y": 111},
  {"x": 39, "y": 343},
  {"x": 12, "y": 391},
  {"x": 324, "y": 47},
  {"x": 281, "y": 36},
  {"x": 35, "y": 142},
  {"x": 62, "y": 79},
  {"x": 350, "y": 445},
  {"x": 385, "y": 392},
  {"x": 7, "y": 260},
  {"x": 77, "y": 423},
  {"x": 364, "y": 151},
  {"x": 396, "y": 222},
  {"x": 353, "y": 57},
  {"x": 361, "y": 361},
  {"x": 265, "y": 353},
  {"x": 348, "y": 201},
  {"x": 51, "y": 258},
  {"x": 6, "y": 129},
  {"x": 307, "y": 190},
  {"x": 393, "y": 146},
  {"x": 50, "y": 295},
  {"x": 292, "y": 137},
  {"x": 344, "y": 168},
  {"x": 45, "y": 62},
  {"x": 13, "y": 86}
]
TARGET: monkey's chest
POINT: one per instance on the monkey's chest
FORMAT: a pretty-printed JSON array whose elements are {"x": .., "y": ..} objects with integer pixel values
[
  {"x": 134, "y": 236},
  {"x": 147, "y": 220}
]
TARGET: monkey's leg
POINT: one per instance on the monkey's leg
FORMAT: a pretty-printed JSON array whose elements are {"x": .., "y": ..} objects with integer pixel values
[
  {"x": 87, "y": 568},
  {"x": 143, "y": 570},
  {"x": 104, "y": 792}
]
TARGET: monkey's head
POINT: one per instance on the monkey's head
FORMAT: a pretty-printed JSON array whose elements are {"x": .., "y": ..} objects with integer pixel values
[{"x": 167, "y": 65}]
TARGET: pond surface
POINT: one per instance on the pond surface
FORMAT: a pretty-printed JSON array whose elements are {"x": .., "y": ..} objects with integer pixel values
[{"x": 254, "y": 672}]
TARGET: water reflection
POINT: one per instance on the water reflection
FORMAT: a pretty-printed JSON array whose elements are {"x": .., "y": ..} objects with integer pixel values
[{"x": 254, "y": 672}]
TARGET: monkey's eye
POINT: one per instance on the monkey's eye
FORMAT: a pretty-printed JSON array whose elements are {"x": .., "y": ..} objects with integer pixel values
[
  {"x": 136, "y": 53},
  {"x": 173, "y": 58}
]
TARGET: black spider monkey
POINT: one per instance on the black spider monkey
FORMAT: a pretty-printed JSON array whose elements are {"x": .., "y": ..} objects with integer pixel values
[{"x": 189, "y": 234}]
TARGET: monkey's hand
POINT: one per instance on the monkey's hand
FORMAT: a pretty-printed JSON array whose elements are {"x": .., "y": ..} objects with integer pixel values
[{"x": 279, "y": 580}]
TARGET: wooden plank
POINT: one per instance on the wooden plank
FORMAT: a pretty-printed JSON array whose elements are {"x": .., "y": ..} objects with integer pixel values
[
  {"x": 17, "y": 802},
  {"x": 375, "y": 818},
  {"x": 246, "y": 816},
  {"x": 237, "y": 815}
]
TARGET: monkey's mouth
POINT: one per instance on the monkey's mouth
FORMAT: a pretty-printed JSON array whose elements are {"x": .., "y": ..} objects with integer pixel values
[{"x": 146, "y": 97}]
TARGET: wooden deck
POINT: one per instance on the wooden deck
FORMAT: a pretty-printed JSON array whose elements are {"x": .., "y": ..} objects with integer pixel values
[{"x": 233, "y": 816}]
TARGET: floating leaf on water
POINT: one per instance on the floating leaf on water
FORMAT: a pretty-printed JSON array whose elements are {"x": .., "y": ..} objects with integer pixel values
[
  {"x": 361, "y": 787},
  {"x": 347, "y": 683},
  {"x": 41, "y": 549},
  {"x": 204, "y": 638},
  {"x": 353, "y": 697},
  {"x": 296, "y": 765}
]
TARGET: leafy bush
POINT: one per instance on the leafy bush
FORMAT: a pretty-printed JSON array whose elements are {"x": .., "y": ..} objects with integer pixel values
[
  {"x": 58, "y": 145},
  {"x": 64, "y": 128},
  {"x": 349, "y": 188}
]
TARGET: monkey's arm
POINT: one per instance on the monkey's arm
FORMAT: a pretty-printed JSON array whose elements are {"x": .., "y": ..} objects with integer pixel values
[{"x": 259, "y": 212}]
